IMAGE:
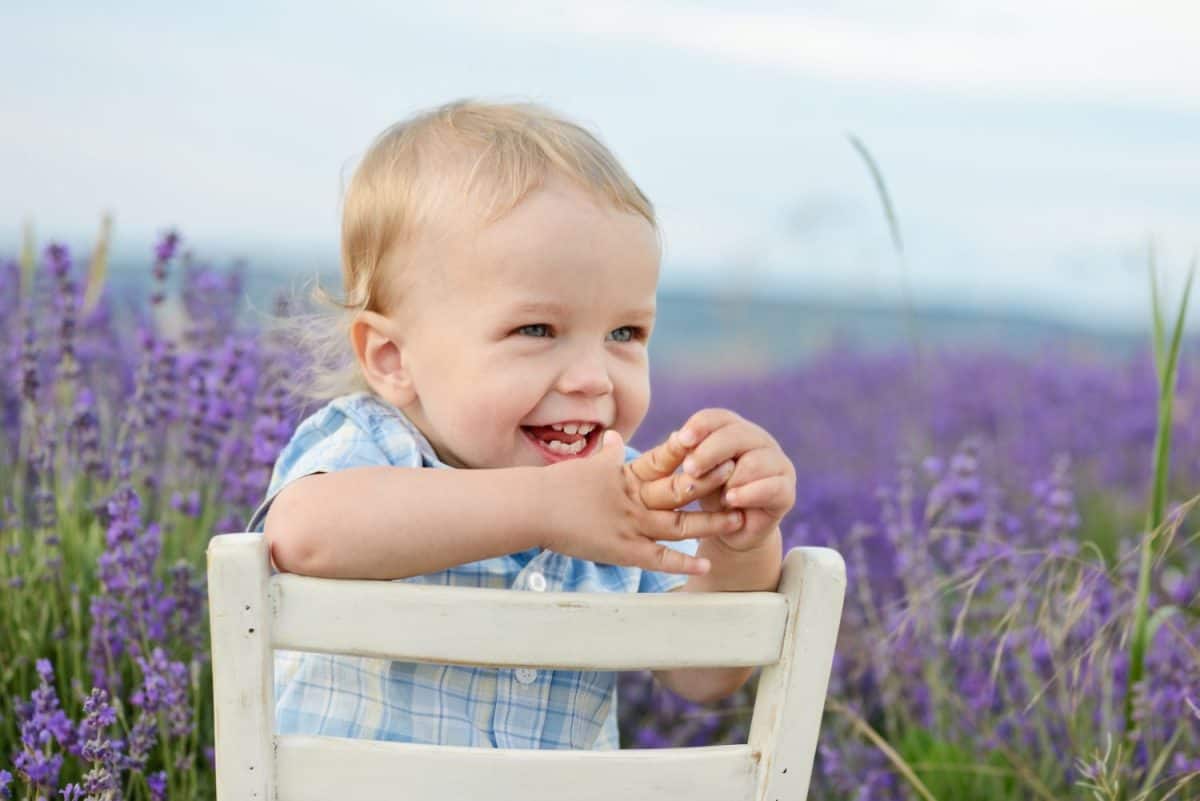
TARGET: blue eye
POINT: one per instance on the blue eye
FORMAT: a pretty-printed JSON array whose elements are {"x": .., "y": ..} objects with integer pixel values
[
  {"x": 633, "y": 333},
  {"x": 537, "y": 327}
]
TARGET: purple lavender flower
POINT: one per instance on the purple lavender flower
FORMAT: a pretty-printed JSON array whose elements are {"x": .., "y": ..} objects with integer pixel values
[
  {"x": 31, "y": 382},
  {"x": 158, "y": 785},
  {"x": 188, "y": 505},
  {"x": 165, "y": 689},
  {"x": 186, "y": 609},
  {"x": 67, "y": 301},
  {"x": 131, "y": 606},
  {"x": 83, "y": 437},
  {"x": 99, "y": 715},
  {"x": 1056, "y": 514},
  {"x": 164, "y": 251},
  {"x": 45, "y": 516},
  {"x": 43, "y": 723},
  {"x": 142, "y": 739},
  {"x": 73, "y": 792},
  {"x": 103, "y": 780}
]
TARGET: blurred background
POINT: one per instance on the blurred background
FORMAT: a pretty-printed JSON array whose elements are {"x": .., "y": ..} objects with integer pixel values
[
  {"x": 1034, "y": 152},
  {"x": 978, "y": 421}
]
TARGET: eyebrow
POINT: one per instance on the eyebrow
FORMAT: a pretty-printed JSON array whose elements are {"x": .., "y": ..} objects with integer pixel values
[{"x": 551, "y": 308}]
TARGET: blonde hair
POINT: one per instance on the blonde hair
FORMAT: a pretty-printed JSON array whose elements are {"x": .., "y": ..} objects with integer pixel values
[{"x": 483, "y": 156}]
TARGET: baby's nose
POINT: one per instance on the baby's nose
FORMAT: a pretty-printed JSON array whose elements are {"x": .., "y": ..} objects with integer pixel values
[{"x": 586, "y": 373}]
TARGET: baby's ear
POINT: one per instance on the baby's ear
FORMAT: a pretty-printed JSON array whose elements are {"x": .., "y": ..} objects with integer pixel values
[{"x": 380, "y": 353}]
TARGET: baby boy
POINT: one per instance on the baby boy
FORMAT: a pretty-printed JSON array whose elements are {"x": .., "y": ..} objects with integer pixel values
[{"x": 500, "y": 269}]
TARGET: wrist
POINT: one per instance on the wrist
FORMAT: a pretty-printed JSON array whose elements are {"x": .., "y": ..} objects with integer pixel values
[
  {"x": 746, "y": 540},
  {"x": 756, "y": 567},
  {"x": 769, "y": 542},
  {"x": 549, "y": 502}
]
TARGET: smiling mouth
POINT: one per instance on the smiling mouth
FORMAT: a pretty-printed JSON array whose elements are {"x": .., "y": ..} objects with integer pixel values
[{"x": 555, "y": 445}]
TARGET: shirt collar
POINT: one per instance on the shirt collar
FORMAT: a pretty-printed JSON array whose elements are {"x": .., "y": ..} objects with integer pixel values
[{"x": 429, "y": 457}]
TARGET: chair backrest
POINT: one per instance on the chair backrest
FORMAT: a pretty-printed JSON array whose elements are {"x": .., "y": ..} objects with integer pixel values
[{"x": 791, "y": 633}]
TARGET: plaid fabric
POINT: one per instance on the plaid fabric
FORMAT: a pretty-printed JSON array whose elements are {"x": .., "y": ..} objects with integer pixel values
[{"x": 362, "y": 697}]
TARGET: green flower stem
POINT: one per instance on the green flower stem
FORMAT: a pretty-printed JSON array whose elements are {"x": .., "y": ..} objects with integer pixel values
[{"x": 1166, "y": 363}]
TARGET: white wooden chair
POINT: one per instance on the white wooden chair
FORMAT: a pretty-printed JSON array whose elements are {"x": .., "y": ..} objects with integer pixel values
[{"x": 792, "y": 633}]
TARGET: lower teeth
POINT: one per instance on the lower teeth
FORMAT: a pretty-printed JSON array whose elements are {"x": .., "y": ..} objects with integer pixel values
[{"x": 562, "y": 447}]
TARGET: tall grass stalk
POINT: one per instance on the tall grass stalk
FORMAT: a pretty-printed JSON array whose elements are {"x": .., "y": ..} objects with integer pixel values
[
  {"x": 893, "y": 222},
  {"x": 98, "y": 266},
  {"x": 917, "y": 388},
  {"x": 1166, "y": 362}
]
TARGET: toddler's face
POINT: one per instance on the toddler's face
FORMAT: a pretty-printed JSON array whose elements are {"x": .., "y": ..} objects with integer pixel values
[{"x": 525, "y": 339}]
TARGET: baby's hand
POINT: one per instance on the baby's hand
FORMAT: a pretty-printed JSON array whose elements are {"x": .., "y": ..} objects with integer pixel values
[
  {"x": 602, "y": 509},
  {"x": 763, "y": 483}
]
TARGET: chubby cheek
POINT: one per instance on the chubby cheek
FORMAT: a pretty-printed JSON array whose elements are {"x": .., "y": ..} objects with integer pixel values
[
  {"x": 493, "y": 423},
  {"x": 632, "y": 398}
]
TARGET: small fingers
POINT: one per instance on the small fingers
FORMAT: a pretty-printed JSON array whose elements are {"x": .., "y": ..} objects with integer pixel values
[
  {"x": 660, "y": 461},
  {"x": 680, "y": 489},
  {"x": 652, "y": 556},
  {"x": 703, "y": 423},
  {"x": 662, "y": 525},
  {"x": 727, "y": 442},
  {"x": 765, "y": 493},
  {"x": 758, "y": 464}
]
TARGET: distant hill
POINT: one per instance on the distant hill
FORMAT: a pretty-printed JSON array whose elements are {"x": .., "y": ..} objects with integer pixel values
[
  {"x": 700, "y": 332},
  {"x": 704, "y": 333}
]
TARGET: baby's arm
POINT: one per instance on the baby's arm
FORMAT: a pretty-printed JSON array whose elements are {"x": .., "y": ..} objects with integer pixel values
[
  {"x": 382, "y": 522},
  {"x": 393, "y": 522}
]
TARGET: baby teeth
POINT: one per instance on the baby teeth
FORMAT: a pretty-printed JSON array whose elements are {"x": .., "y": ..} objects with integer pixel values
[
  {"x": 573, "y": 428},
  {"x": 562, "y": 447}
]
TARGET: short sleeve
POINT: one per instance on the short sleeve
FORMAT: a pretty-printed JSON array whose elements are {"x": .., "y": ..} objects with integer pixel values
[
  {"x": 335, "y": 437},
  {"x": 652, "y": 580}
]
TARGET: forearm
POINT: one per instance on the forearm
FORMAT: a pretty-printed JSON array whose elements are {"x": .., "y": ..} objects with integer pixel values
[
  {"x": 396, "y": 522},
  {"x": 748, "y": 571}
]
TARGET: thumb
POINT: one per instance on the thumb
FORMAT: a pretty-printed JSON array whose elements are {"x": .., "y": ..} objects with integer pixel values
[{"x": 612, "y": 446}]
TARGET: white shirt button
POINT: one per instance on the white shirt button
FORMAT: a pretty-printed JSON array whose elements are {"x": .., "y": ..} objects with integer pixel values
[
  {"x": 526, "y": 675},
  {"x": 537, "y": 582}
]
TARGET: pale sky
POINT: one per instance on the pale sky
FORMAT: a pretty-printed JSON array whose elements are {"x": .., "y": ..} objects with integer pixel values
[{"x": 1032, "y": 149}]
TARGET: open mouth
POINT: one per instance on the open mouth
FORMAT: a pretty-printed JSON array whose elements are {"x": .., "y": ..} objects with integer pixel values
[{"x": 556, "y": 446}]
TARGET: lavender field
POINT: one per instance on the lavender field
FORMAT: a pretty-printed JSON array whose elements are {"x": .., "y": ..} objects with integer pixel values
[{"x": 994, "y": 513}]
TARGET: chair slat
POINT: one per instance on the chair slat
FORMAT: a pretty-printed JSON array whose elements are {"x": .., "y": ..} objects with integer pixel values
[
  {"x": 458, "y": 625},
  {"x": 243, "y": 700},
  {"x": 323, "y": 768},
  {"x": 791, "y": 694}
]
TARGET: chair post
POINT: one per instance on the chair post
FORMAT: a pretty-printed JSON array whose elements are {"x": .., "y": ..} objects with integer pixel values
[
  {"x": 786, "y": 721},
  {"x": 242, "y": 666}
]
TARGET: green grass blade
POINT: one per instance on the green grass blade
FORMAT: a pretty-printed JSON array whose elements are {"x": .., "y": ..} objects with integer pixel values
[
  {"x": 1161, "y": 466},
  {"x": 1160, "y": 616},
  {"x": 98, "y": 267},
  {"x": 910, "y": 318},
  {"x": 1156, "y": 308},
  {"x": 881, "y": 188},
  {"x": 1160, "y": 762},
  {"x": 1139, "y": 639},
  {"x": 898, "y": 762}
]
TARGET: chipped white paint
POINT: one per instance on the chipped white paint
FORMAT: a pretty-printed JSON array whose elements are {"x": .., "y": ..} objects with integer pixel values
[
  {"x": 623, "y": 631},
  {"x": 242, "y": 664},
  {"x": 791, "y": 694},
  {"x": 372, "y": 771},
  {"x": 792, "y": 632}
]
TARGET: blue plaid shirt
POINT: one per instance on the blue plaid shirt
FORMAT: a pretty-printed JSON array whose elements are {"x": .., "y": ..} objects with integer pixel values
[{"x": 381, "y": 699}]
